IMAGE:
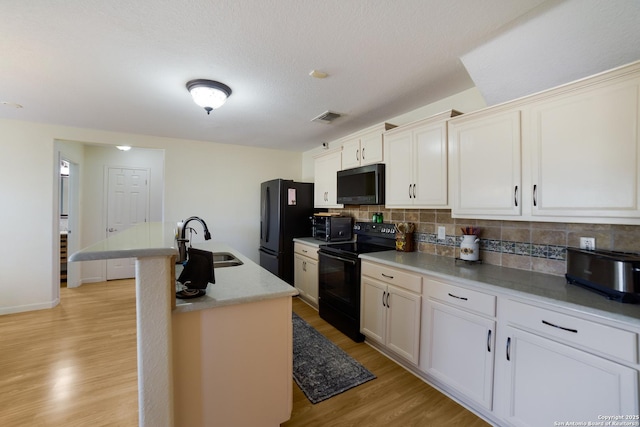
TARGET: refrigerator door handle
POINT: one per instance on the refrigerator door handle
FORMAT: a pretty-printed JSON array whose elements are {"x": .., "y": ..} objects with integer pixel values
[{"x": 267, "y": 213}]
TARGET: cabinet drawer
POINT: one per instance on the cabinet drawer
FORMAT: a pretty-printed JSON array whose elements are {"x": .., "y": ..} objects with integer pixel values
[
  {"x": 399, "y": 278},
  {"x": 306, "y": 250},
  {"x": 572, "y": 330},
  {"x": 461, "y": 297}
]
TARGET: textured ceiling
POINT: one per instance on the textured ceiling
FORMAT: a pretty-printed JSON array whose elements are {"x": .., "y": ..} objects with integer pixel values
[{"x": 122, "y": 65}]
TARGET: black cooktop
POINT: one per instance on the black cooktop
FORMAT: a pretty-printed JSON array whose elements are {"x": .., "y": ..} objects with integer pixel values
[
  {"x": 354, "y": 248},
  {"x": 370, "y": 237}
]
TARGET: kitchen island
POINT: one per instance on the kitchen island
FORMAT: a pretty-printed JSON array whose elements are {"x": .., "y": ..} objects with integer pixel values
[{"x": 221, "y": 359}]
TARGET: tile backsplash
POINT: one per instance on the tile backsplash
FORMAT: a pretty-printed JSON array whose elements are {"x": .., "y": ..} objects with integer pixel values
[{"x": 536, "y": 246}]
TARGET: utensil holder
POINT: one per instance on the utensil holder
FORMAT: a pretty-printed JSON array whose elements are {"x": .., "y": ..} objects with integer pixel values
[
  {"x": 404, "y": 242},
  {"x": 470, "y": 247}
]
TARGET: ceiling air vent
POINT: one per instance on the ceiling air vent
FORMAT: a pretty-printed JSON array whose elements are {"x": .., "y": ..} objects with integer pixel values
[{"x": 326, "y": 117}]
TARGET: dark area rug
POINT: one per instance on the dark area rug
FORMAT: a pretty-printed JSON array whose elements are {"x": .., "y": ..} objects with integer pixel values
[{"x": 320, "y": 368}]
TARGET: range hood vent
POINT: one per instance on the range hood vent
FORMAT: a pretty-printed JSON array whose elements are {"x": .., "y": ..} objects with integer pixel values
[{"x": 326, "y": 117}]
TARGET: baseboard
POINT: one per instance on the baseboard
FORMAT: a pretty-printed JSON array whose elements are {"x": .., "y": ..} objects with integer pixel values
[{"x": 29, "y": 307}]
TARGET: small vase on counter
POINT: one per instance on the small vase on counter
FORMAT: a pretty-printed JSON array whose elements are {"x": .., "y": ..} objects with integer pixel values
[{"x": 470, "y": 247}]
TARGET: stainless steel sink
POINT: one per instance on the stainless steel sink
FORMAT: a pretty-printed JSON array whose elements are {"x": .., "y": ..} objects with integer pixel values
[{"x": 225, "y": 259}]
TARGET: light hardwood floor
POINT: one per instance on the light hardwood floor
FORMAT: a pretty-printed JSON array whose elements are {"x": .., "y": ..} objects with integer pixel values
[
  {"x": 395, "y": 398},
  {"x": 75, "y": 365}
]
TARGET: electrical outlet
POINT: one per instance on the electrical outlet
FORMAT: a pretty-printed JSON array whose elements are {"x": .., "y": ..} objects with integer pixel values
[
  {"x": 441, "y": 233},
  {"x": 588, "y": 243}
]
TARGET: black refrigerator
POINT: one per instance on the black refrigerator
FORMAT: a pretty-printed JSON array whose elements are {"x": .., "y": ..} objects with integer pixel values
[{"x": 285, "y": 211}]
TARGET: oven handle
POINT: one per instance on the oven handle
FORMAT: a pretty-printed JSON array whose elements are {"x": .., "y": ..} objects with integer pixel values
[{"x": 350, "y": 261}]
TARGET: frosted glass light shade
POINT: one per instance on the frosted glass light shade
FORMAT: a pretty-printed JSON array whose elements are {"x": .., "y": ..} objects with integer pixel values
[{"x": 208, "y": 94}]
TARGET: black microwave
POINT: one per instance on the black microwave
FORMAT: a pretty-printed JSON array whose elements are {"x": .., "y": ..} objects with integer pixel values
[{"x": 362, "y": 186}]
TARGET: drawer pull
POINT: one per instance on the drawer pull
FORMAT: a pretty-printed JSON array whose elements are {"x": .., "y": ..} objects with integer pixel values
[
  {"x": 489, "y": 341},
  {"x": 575, "y": 331},
  {"x": 304, "y": 250},
  {"x": 383, "y": 295},
  {"x": 457, "y": 297},
  {"x": 387, "y": 276},
  {"x": 508, "y": 349},
  {"x": 388, "y": 300}
]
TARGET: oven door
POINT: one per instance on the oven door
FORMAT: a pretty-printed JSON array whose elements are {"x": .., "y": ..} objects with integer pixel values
[{"x": 339, "y": 283}]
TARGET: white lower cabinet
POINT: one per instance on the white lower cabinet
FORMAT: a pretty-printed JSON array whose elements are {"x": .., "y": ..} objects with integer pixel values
[
  {"x": 541, "y": 381},
  {"x": 390, "y": 313},
  {"x": 305, "y": 272},
  {"x": 458, "y": 345}
]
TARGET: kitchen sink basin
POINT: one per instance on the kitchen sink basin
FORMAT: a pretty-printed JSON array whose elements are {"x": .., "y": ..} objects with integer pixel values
[{"x": 225, "y": 259}]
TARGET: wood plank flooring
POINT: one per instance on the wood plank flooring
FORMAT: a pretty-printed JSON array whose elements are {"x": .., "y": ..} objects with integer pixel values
[
  {"x": 75, "y": 365},
  {"x": 395, "y": 398}
]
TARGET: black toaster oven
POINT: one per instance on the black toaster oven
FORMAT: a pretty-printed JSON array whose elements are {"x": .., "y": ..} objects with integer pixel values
[{"x": 332, "y": 228}]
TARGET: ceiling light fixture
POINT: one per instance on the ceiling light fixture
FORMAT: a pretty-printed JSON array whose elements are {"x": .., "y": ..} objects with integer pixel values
[
  {"x": 208, "y": 94},
  {"x": 123, "y": 147}
]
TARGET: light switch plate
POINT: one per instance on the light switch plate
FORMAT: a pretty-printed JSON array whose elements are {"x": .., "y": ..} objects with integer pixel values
[{"x": 441, "y": 233}]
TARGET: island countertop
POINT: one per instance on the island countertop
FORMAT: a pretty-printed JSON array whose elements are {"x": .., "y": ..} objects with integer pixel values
[
  {"x": 237, "y": 284},
  {"x": 234, "y": 285}
]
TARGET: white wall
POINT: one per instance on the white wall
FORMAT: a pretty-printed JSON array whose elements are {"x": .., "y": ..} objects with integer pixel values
[{"x": 217, "y": 182}]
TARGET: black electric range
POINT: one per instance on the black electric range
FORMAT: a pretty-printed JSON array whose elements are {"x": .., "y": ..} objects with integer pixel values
[{"x": 339, "y": 275}]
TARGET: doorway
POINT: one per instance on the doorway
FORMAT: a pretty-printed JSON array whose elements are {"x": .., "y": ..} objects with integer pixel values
[
  {"x": 127, "y": 205},
  {"x": 69, "y": 207}
]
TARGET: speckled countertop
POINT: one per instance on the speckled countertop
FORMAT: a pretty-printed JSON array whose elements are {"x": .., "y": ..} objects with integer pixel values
[
  {"x": 234, "y": 285},
  {"x": 240, "y": 284},
  {"x": 552, "y": 290}
]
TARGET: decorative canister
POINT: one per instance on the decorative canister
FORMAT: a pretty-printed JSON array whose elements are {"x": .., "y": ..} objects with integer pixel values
[{"x": 470, "y": 247}]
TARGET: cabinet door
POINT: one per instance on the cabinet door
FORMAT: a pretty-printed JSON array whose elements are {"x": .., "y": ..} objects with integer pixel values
[
  {"x": 403, "y": 323},
  {"x": 399, "y": 170},
  {"x": 373, "y": 312},
  {"x": 485, "y": 159},
  {"x": 299, "y": 276},
  {"x": 351, "y": 154},
  {"x": 545, "y": 382},
  {"x": 585, "y": 152},
  {"x": 311, "y": 279},
  {"x": 326, "y": 169},
  {"x": 430, "y": 163},
  {"x": 458, "y": 349},
  {"x": 371, "y": 148}
]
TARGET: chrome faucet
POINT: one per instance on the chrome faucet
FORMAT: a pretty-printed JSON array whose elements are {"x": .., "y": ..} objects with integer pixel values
[{"x": 182, "y": 239}]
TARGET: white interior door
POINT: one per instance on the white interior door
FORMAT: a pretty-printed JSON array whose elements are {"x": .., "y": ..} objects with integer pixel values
[{"x": 127, "y": 205}]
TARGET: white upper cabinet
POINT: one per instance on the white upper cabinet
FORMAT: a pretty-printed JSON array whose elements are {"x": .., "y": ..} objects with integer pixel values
[
  {"x": 416, "y": 159},
  {"x": 585, "y": 152},
  {"x": 567, "y": 154},
  {"x": 365, "y": 147},
  {"x": 485, "y": 164},
  {"x": 325, "y": 182}
]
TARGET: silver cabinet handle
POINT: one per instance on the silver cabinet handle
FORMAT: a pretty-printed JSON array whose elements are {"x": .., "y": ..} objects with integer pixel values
[
  {"x": 515, "y": 196},
  {"x": 409, "y": 190},
  {"x": 414, "y": 191},
  {"x": 362, "y": 153},
  {"x": 575, "y": 331},
  {"x": 535, "y": 195},
  {"x": 358, "y": 154},
  {"x": 489, "y": 341},
  {"x": 508, "y": 349}
]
